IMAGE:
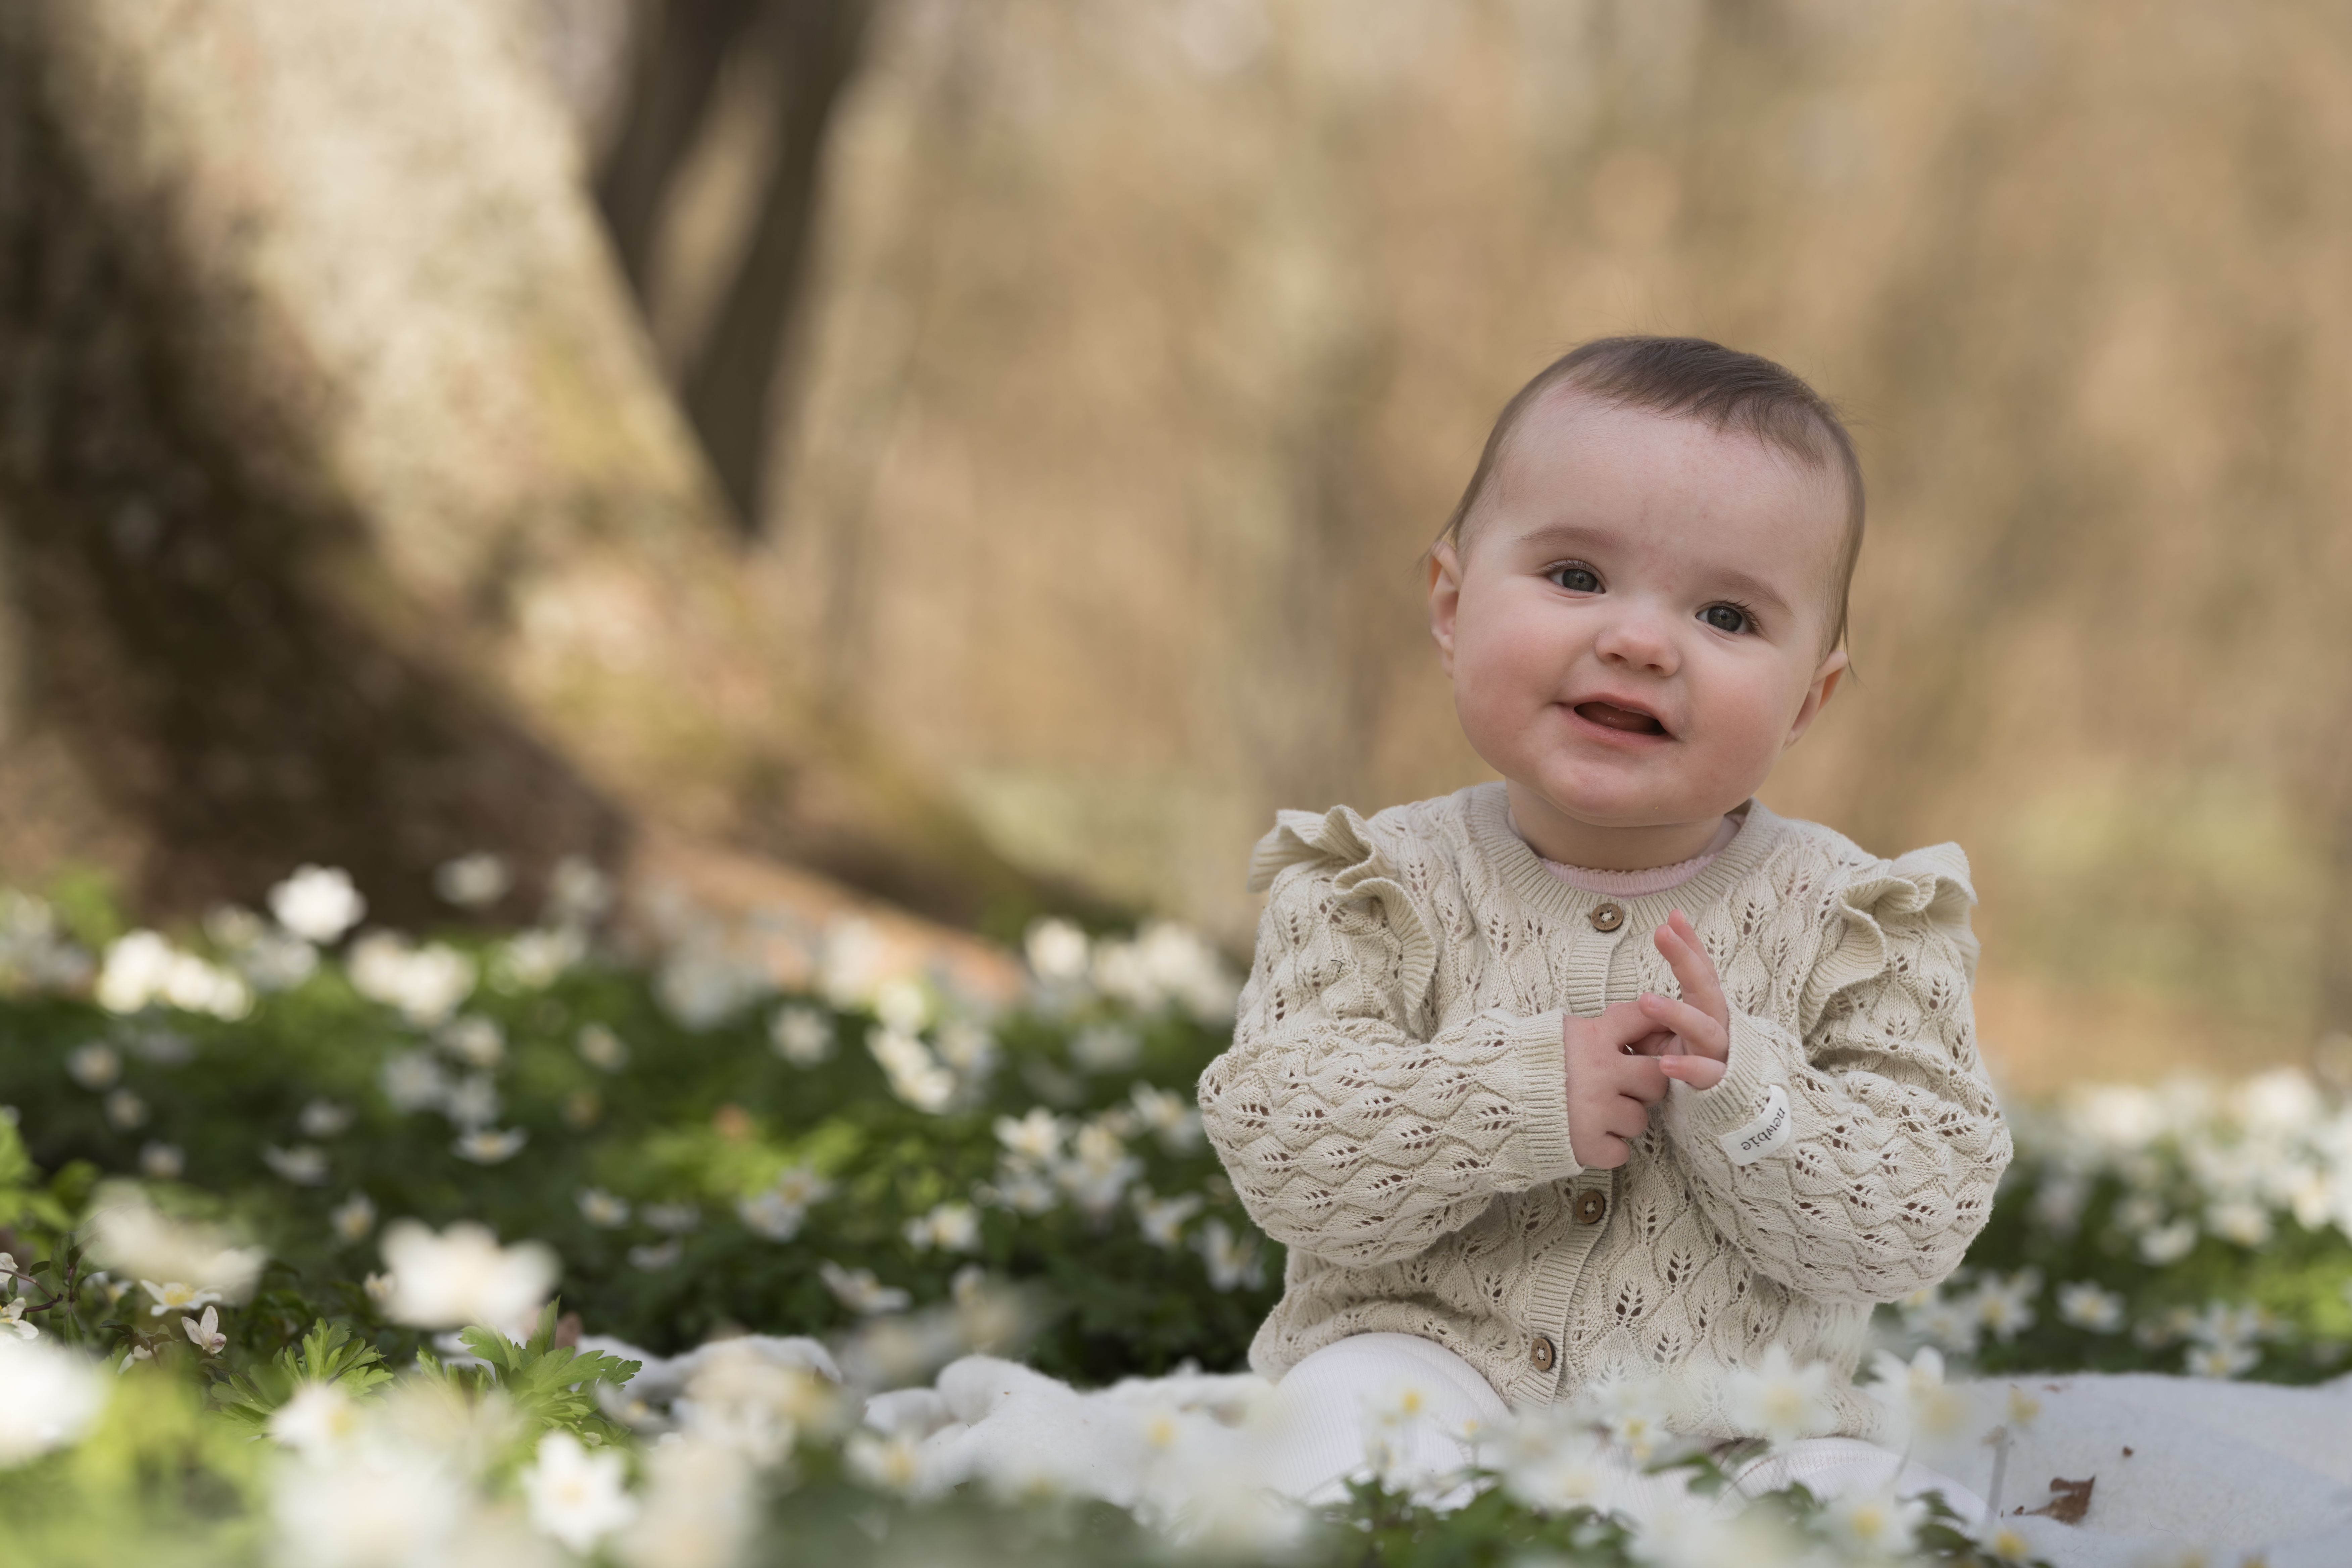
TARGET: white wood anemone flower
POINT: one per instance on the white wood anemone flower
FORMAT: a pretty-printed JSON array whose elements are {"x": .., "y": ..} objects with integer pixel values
[
  {"x": 575, "y": 1496},
  {"x": 1778, "y": 1400},
  {"x": 1876, "y": 1525},
  {"x": 462, "y": 1276},
  {"x": 176, "y": 1296},
  {"x": 205, "y": 1332},
  {"x": 1915, "y": 1392},
  {"x": 860, "y": 1291},
  {"x": 129, "y": 1233},
  {"x": 317, "y": 1419},
  {"x": 801, "y": 1035},
  {"x": 48, "y": 1397},
  {"x": 318, "y": 903}
]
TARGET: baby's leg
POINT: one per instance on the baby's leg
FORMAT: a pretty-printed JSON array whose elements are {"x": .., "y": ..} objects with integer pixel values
[{"x": 1348, "y": 1397}]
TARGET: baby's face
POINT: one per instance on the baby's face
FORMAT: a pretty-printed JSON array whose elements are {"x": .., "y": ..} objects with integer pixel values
[{"x": 1635, "y": 625}]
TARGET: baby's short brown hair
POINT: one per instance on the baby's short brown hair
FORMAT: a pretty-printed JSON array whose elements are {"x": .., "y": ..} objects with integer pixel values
[{"x": 1692, "y": 378}]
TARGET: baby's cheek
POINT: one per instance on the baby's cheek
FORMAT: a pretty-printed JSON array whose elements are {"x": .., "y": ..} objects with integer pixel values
[
  {"x": 1497, "y": 719},
  {"x": 1744, "y": 726}
]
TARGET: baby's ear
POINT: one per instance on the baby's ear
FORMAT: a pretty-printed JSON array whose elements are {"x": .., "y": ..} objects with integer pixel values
[
  {"x": 1445, "y": 599},
  {"x": 1826, "y": 680}
]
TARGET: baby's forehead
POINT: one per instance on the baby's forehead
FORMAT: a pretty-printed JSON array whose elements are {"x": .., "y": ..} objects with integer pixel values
[
  {"x": 1593, "y": 425},
  {"x": 1576, "y": 452}
]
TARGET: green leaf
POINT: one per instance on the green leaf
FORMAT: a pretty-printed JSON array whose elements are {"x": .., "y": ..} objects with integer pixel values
[
  {"x": 16, "y": 1165},
  {"x": 89, "y": 903},
  {"x": 551, "y": 1384},
  {"x": 21, "y": 1195},
  {"x": 330, "y": 1353}
]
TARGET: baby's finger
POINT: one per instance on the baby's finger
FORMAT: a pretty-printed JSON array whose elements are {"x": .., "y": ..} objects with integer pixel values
[
  {"x": 1608, "y": 1150},
  {"x": 1620, "y": 1024},
  {"x": 1699, "y": 1072},
  {"x": 1687, "y": 966},
  {"x": 1628, "y": 1119},
  {"x": 1698, "y": 1031},
  {"x": 1677, "y": 942},
  {"x": 1710, "y": 999},
  {"x": 1640, "y": 1079}
]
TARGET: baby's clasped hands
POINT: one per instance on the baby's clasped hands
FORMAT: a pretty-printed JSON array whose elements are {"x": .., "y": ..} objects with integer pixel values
[{"x": 1620, "y": 1059}]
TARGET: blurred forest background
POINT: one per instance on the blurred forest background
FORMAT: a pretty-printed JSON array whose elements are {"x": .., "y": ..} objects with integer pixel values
[{"x": 978, "y": 452}]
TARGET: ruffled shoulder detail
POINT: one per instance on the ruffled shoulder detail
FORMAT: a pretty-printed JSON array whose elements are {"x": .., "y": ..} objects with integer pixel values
[
  {"x": 1339, "y": 838},
  {"x": 1348, "y": 848},
  {"x": 1930, "y": 885}
]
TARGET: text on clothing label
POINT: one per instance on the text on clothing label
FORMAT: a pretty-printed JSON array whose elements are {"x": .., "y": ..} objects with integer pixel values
[{"x": 1768, "y": 1134}]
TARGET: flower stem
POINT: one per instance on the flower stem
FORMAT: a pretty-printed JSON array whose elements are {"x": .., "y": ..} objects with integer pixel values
[{"x": 1999, "y": 1438}]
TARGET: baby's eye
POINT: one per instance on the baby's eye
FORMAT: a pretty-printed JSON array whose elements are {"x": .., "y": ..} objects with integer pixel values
[
  {"x": 1576, "y": 579},
  {"x": 1724, "y": 617}
]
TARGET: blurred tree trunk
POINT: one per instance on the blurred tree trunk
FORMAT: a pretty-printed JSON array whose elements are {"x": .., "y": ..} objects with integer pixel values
[
  {"x": 678, "y": 63},
  {"x": 344, "y": 515},
  {"x": 810, "y": 50}
]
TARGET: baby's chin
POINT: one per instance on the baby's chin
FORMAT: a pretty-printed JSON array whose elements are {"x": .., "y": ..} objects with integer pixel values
[{"x": 1614, "y": 805}]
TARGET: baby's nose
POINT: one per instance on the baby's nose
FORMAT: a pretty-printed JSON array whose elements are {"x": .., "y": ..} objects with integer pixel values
[{"x": 1637, "y": 635}]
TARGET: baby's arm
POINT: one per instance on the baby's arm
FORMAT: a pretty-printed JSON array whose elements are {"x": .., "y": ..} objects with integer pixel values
[
  {"x": 1860, "y": 1162},
  {"x": 1354, "y": 1132}
]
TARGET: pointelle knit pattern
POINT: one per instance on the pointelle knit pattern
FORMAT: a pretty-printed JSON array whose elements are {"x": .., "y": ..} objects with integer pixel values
[{"x": 1393, "y": 1106}]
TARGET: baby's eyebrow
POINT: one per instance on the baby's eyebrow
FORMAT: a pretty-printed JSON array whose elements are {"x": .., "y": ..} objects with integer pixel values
[
  {"x": 1747, "y": 587},
  {"x": 1566, "y": 536}
]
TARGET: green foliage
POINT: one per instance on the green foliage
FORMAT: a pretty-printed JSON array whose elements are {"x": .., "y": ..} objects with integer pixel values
[
  {"x": 88, "y": 905},
  {"x": 329, "y": 1353},
  {"x": 156, "y": 1479},
  {"x": 550, "y": 1384},
  {"x": 23, "y": 1199},
  {"x": 2191, "y": 1229},
  {"x": 693, "y": 1119},
  {"x": 1495, "y": 1530},
  {"x": 1492, "y": 1530},
  {"x": 758, "y": 1162}
]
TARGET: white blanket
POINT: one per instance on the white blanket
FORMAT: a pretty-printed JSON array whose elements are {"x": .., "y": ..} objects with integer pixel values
[
  {"x": 2232, "y": 1470},
  {"x": 2235, "y": 1470}
]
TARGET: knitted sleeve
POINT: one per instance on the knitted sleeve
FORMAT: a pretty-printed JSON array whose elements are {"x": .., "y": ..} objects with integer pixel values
[
  {"x": 1350, "y": 1130},
  {"x": 1859, "y": 1161}
]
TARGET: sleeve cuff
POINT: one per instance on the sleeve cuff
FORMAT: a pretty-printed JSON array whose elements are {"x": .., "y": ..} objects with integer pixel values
[
  {"x": 1760, "y": 1064},
  {"x": 1537, "y": 1044}
]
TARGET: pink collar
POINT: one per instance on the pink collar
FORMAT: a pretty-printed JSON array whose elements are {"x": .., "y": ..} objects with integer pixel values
[{"x": 1652, "y": 879}]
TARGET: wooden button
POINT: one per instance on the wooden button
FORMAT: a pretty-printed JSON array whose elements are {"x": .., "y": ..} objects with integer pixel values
[
  {"x": 1590, "y": 1206},
  {"x": 1542, "y": 1354},
  {"x": 1607, "y": 917}
]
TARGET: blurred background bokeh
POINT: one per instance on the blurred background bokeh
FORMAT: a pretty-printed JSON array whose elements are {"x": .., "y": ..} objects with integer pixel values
[{"x": 979, "y": 452}]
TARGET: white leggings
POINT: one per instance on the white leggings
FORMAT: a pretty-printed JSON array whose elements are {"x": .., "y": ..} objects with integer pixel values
[{"x": 1323, "y": 1404}]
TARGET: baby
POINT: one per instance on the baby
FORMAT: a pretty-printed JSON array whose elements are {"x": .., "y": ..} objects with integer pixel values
[{"x": 1604, "y": 1071}]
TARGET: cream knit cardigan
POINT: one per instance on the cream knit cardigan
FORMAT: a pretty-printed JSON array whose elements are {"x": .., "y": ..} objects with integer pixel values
[{"x": 1393, "y": 1107}]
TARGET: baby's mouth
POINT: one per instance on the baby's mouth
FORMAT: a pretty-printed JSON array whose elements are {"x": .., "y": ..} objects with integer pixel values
[{"x": 1610, "y": 716}]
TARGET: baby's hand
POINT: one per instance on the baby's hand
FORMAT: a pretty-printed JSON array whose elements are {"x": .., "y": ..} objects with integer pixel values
[
  {"x": 1698, "y": 1027},
  {"x": 1612, "y": 1082}
]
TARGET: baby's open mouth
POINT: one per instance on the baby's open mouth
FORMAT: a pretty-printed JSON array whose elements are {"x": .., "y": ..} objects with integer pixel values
[{"x": 1610, "y": 716}]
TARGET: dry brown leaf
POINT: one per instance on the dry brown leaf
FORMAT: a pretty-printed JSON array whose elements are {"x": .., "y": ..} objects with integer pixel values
[{"x": 2072, "y": 1499}]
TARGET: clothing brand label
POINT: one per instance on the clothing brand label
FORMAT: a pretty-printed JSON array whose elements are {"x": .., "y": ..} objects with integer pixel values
[{"x": 1768, "y": 1134}]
